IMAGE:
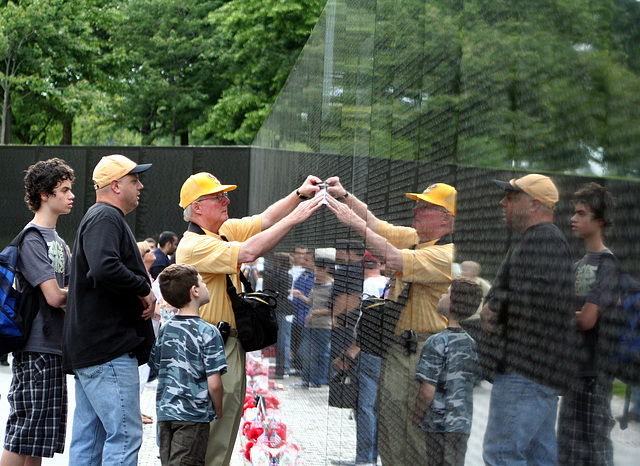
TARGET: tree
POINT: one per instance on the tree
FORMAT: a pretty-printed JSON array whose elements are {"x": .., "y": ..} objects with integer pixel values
[
  {"x": 167, "y": 82},
  {"x": 255, "y": 45},
  {"x": 551, "y": 85},
  {"x": 47, "y": 48}
]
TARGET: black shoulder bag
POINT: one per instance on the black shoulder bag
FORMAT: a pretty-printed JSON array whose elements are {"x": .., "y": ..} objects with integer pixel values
[
  {"x": 254, "y": 310},
  {"x": 255, "y": 315}
]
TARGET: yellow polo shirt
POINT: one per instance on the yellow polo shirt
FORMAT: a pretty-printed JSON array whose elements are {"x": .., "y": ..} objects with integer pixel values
[
  {"x": 215, "y": 258},
  {"x": 428, "y": 267}
]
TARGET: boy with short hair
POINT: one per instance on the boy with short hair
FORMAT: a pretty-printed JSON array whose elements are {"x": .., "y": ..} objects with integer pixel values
[
  {"x": 585, "y": 420},
  {"x": 37, "y": 421},
  {"x": 189, "y": 359},
  {"x": 448, "y": 371}
]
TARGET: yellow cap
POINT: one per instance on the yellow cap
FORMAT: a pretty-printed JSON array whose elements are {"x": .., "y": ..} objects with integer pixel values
[
  {"x": 114, "y": 167},
  {"x": 536, "y": 186},
  {"x": 199, "y": 185},
  {"x": 439, "y": 194}
]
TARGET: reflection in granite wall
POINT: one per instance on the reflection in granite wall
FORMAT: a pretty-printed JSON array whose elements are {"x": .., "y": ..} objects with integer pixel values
[
  {"x": 393, "y": 95},
  {"x": 545, "y": 86}
]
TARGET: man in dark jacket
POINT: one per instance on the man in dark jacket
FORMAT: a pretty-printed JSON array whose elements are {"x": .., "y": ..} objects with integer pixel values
[
  {"x": 167, "y": 245},
  {"x": 107, "y": 328},
  {"x": 530, "y": 317}
]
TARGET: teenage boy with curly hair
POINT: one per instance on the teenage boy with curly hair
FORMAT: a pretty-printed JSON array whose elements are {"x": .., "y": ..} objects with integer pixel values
[{"x": 38, "y": 395}]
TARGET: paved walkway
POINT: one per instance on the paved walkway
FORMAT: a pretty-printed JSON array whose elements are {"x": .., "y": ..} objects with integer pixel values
[{"x": 326, "y": 434}]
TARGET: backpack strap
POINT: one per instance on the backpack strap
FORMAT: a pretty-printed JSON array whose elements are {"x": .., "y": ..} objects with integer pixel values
[{"x": 42, "y": 301}]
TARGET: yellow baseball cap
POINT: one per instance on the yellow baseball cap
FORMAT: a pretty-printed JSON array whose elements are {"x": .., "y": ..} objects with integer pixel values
[
  {"x": 537, "y": 186},
  {"x": 439, "y": 194},
  {"x": 114, "y": 167},
  {"x": 199, "y": 185}
]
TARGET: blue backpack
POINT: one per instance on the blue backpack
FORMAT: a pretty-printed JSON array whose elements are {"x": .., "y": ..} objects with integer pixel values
[
  {"x": 622, "y": 329},
  {"x": 18, "y": 308}
]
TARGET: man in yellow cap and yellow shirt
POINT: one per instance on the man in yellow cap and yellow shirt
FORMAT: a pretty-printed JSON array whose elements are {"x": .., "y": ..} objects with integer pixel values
[
  {"x": 421, "y": 255},
  {"x": 218, "y": 246}
]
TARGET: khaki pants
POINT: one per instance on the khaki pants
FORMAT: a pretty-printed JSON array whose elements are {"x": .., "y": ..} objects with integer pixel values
[
  {"x": 399, "y": 442},
  {"x": 223, "y": 432}
]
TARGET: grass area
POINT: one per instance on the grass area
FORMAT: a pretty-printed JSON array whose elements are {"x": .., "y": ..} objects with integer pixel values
[{"x": 619, "y": 388}]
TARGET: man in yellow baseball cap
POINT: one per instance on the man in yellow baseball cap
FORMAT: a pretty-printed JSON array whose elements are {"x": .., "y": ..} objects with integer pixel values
[
  {"x": 422, "y": 257},
  {"x": 107, "y": 327},
  {"x": 217, "y": 246}
]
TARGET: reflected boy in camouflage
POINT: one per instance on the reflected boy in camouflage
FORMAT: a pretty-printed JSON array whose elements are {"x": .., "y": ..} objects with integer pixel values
[
  {"x": 189, "y": 359},
  {"x": 448, "y": 371}
]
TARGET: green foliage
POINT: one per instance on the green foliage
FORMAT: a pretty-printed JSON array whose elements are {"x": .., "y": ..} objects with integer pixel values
[
  {"x": 47, "y": 47},
  {"x": 547, "y": 85},
  {"x": 98, "y": 126},
  {"x": 159, "y": 67},
  {"x": 551, "y": 85},
  {"x": 254, "y": 45},
  {"x": 165, "y": 80}
]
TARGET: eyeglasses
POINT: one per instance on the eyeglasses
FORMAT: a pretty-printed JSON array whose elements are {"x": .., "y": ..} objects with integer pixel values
[
  {"x": 425, "y": 206},
  {"x": 214, "y": 197}
]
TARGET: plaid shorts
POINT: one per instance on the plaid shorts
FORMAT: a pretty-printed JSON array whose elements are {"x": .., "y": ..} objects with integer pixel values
[
  {"x": 37, "y": 421},
  {"x": 585, "y": 422}
]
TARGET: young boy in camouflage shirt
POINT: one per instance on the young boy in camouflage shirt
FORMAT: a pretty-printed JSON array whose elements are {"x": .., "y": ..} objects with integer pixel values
[
  {"x": 189, "y": 359},
  {"x": 448, "y": 371}
]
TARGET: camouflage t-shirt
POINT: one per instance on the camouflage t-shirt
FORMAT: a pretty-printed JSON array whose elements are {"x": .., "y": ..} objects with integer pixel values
[
  {"x": 186, "y": 352},
  {"x": 449, "y": 362}
]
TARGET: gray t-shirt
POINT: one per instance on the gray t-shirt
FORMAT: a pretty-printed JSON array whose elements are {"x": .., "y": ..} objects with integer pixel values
[
  {"x": 596, "y": 281},
  {"x": 320, "y": 298},
  {"x": 37, "y": 264}
]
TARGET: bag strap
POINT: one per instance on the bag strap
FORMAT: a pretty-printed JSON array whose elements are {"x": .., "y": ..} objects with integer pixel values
[
  {"x": 247, "y": 285},
  {"x": 404, "y": 294},
  {"x": 17, "y": 241},
  {"x": 42, "y": 302},
  {"x": 231, "y": 289},
  {"x": 195, "y": 228}
]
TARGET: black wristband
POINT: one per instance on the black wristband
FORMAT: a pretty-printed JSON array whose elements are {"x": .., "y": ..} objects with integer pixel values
[
  {"x": 304, "y": 198},
  {"x": 342, "y": 198}
]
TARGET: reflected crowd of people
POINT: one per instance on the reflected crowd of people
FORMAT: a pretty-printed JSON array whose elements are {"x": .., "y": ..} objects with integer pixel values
[{"x": 543, "y": 331}]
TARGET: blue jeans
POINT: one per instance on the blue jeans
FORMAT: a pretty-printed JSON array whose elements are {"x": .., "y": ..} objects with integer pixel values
[
  {"x": 367, "y": 413},
  {"x": 107, "y": 427},
  {"x": 521, "y": 425},
  {"x": 283, "y": 346},
  {"x": 316, "y": 353}
]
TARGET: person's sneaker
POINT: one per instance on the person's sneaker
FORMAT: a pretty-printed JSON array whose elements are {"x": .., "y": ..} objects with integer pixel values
[
  {"x": 314, "y": 385},
  {"x": 301, "y": 385}
]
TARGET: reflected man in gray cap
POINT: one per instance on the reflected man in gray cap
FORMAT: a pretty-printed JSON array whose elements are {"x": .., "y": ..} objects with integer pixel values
[{"x": 529, "y": 317}]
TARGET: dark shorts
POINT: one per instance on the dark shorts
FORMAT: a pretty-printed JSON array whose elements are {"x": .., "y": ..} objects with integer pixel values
[
  {"x": 183, "y": 442},
  {"x": 37, "y": 421}
]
